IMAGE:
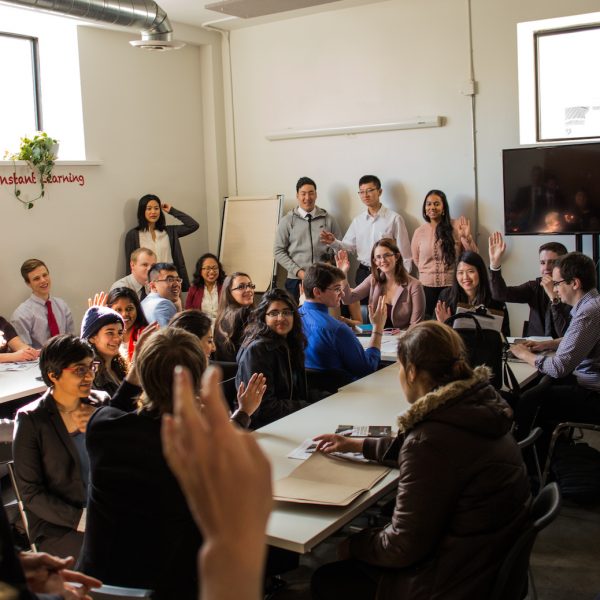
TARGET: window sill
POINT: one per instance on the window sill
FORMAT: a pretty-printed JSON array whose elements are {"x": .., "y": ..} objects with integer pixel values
[{"x": 58, "y": 163}]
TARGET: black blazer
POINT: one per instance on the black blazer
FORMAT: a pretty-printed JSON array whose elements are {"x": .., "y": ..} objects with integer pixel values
[
  {"x": 139, "y": 530},
  {"x": 48, "y": 469}
]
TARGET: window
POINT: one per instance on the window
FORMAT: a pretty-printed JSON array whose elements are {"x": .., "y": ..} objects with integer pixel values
[
  {"x": 28, "y": 34},
  {"x": 20, "y": 99},
  {"x": 559, "y": 81}
]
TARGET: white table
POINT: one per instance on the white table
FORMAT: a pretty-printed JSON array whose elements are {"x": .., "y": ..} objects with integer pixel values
[
  {"x": 389, "y": 346},
  {"x": 374, "y": 400},
  {"x": 18, "y": 384}
]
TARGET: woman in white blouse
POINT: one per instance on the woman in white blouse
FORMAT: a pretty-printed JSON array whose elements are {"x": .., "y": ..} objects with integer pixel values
[
  {"x": 152, "y": 232},
  {"x": 206, "y": 286}
]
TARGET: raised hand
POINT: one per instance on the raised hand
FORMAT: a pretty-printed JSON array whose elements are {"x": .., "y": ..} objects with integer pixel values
[
  {"x": 99, "y": 299},
  {"x": 249, "y": 397},
  {"x": 342, "y": 261},
  {"x": 442, "y": 311},
  {"x": 497, "y": 248},
  {"x": 378, "y": 315},
  {"x": 166, "y": 207},
  {"x": 326, "y": 237},
  {"x": 464, "y": 233}
]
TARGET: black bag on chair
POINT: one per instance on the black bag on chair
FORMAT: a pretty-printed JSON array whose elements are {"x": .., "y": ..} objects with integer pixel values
[{"x": 484, "y": 346}]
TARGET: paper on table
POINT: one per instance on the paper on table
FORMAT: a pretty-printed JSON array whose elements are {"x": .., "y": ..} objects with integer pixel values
[
  {"x": 307, "y": 448},
  {"x": 531, "y": 338},
  {"x": 323, "y": 480}
]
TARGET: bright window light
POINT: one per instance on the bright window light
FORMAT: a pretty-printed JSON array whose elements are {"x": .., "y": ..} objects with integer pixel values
[{"x": 59, "y": 82}]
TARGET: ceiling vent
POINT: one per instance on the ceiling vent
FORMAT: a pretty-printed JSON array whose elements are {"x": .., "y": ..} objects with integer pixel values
[{"x": 246, "y": 9}]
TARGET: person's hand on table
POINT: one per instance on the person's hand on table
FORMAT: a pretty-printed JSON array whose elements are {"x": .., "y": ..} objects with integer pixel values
[
  {"x": 99, "y": 299},
  {"x": 332, "y": 442},
  {"x": 46, "y": 574},
  {"x": 543, "y": 346},
  {"x": 25, "y": 354},
  {"x": 217, "y": 464},
  {"x": 249, "y": 397}
]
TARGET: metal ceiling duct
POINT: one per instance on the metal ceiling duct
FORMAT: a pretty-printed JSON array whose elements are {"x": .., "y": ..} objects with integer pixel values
[{"x": 146, "y": 15}]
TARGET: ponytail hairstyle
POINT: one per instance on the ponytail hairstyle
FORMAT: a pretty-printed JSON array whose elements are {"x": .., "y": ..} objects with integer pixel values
[
  {"x": 437, "y": 350},
  {"x": 444, "y": 233}
]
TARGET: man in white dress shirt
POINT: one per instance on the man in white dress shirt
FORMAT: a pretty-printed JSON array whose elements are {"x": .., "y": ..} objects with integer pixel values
[
  {"x": 140, "y": 262},
  {"x": 40, "y": 317},
  {"x": 368, "y": 227}
]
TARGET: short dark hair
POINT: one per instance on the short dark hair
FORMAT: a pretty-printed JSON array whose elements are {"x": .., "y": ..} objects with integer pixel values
[
  {"x": 141, "y": 213},
  {"x": 192, "y": 320},
  {"x": 370, "y": 179},
  {"x": 29, "y": 265},
  {"x": 305, "y": 181},
  {"x": 577, "y": 265},
  {"x": 156, "y": 268},
  {"x": 320, "y": 275},
  {"x": 61, "y": 351},
  {"x": 555, "y": 247},
  {"x": 198, "y": 280},
  {"x": 161, "y": 353}
]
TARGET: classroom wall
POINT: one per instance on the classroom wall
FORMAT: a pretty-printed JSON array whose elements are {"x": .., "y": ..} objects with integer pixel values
[
  {"x": 147, "y": 117},
  {"x": 378, "y": 63}
]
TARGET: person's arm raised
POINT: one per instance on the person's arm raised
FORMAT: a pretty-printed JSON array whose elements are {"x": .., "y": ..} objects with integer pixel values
[{"x": 216, "y": 463}]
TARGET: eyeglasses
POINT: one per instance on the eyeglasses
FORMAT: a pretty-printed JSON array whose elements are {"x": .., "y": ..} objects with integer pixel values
[
  {"x": 380, "y": 257},
  {"x": 169, "y": 280},
  {"x": 336, "y": 288},
  {"x": 365, "y": 192},
  {"x": 81, "y": 370},
  {"x": 215, "y": 268},
  {"x": 557, "y": 283},
  {"x": 286, "y": 313},
  {"x": 244, "y": 286}
]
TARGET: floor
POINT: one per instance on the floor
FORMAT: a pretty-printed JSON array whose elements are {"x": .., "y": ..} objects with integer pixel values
[{"x": 565, "y": 559}]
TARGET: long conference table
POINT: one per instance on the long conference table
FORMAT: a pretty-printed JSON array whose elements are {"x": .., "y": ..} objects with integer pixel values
[
  {"x": 373, "y": 400},
  {"x": 18, "y": 384}
]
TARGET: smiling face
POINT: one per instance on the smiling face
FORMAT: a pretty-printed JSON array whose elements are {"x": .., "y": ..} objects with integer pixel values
[
  {"x": 279, "y": 318},
  {"x": 152, "y": 212},
  {"x": 168, "y": 285},
  {"x": 385, "y": 259},
  {"x": 468, "y": 278},
  {"x": 240, "y": 291},
  {"x": 208, "y": 344},
  {"x": 40, "y": 282},
  {"x": 69, "y": 385},
  {"x": 126, "y": 308},
  {"x": 434, "y": 207},
  {"x": 210, "y": 270},
  {"x": 107, "y": 340},
  {"x": 307, "y": 197}
]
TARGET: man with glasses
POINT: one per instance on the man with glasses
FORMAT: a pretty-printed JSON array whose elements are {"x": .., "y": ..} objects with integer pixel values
[
  {"x": 332, "y": 345},
  {"x": 163, "y": 301},
  {"x": 140, "y": 262},
  {"x": 548, "y": 316},
  {"x": 571, "y": 392},
  {"x": 298, "y": 243},
  {"x": 376, "y": 223}
]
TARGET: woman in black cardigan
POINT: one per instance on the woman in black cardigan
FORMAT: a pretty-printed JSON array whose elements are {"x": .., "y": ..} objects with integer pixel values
[
  {"x": 51, "y": 462},
  {"x": 151, "y": 224}
]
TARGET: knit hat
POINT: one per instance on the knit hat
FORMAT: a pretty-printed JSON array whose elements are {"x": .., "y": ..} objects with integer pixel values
[{"x": 97, "y": 317}]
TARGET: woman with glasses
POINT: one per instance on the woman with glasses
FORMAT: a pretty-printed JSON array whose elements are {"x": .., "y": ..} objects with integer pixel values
[
  {"x": 471, "y": 288},
  {"x": 102, "y": 328},
  {"x": 235, "y": 306},
  {"x": 463, "y": 496},
  {"x": 404, "y": 295},
  {"x": 436, "y": 245},
  {"x": 274, "y": 346},
  {"x": 152, "y": 232},
  {"x": 206, "y": 286},
  {"x": 51, "y": 462},
  {"x": 126, "y": 302}
]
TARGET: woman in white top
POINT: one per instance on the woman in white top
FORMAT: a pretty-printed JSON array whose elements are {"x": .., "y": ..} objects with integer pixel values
[{"x": 152, "y": 232}]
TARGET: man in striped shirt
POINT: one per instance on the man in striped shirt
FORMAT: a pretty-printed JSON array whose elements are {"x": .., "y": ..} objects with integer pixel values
[{"x": 571, "y": 390}]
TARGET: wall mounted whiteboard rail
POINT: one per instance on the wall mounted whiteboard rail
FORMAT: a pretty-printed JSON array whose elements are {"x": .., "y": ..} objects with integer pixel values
[
  {"x": 248, "y": 231},
  {"x": 414, "y": 123}
]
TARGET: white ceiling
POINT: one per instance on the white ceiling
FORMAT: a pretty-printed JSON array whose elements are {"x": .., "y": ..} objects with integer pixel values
[{"x": 192, "y": 12}]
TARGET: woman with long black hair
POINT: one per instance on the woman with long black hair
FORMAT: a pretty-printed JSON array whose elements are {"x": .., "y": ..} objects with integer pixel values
[{"x": 436, "y": 245}]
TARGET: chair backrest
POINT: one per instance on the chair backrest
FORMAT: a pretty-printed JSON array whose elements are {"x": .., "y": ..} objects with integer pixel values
[
  {"x": 511, "y": 581},
  {"x": 229, "y": 369},
  {"x": 230, "y": 392}
]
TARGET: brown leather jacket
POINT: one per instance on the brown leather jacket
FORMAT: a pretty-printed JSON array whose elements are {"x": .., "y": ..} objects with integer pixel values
[{"x": 462, "y": 499}]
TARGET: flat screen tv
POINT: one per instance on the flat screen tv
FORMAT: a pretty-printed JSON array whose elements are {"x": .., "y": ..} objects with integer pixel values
[{"x": 552, "y": 190}]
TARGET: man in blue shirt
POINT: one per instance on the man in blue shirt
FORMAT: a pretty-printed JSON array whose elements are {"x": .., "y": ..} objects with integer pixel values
[
  {"x": 571, "y": 390},
  {"x": 332, "y": 345},
  {"x": 163, "y": 301}
]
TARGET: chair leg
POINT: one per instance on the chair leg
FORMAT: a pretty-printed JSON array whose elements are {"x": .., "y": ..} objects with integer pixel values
[
  {"x": 532, "y": 591},
  {"x": 13, "y": 479}
]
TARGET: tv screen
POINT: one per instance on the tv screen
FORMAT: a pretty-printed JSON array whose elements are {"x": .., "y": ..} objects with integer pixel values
[{"x": 552, "y": 190}]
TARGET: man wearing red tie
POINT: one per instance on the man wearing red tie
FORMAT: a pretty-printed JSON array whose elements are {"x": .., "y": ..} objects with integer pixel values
[{"x": 40, "y": 317}]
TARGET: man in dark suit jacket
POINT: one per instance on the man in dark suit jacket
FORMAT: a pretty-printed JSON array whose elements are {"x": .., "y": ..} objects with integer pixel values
[{"x": 139, "y": 531}]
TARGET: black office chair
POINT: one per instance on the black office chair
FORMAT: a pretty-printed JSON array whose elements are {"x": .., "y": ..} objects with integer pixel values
[
  {"x": 514, "y": 575},
  {"x": 529, "y": 442},
  {"x": 229, "y": 369}
]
